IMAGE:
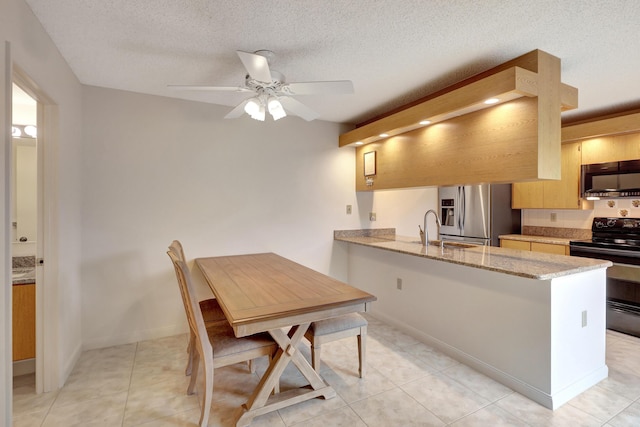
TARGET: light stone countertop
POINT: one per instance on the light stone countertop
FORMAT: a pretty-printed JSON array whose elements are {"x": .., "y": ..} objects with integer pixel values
[
  {"x": 533, "y": 265},
  {"x": 539, "y": 239}
]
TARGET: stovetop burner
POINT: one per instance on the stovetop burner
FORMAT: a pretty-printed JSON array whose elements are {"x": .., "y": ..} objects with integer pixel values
[{"x": 617, "y": 233}]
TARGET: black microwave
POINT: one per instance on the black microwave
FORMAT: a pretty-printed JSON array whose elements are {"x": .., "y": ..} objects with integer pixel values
[{"x": 612, "y": 179}]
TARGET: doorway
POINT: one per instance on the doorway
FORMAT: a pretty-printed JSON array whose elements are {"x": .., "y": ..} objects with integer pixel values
[{"x": 24, "y": 229}]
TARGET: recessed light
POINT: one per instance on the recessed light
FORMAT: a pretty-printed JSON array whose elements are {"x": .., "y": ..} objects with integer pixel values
[
  {"x": 492, "y": 101},
  {"x": 425, "y": 122},
  {"x": 383, "y": 135},
  {"x": 359, "y": 143}
]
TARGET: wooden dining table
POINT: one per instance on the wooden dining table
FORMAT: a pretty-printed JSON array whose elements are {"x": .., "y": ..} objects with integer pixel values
[{"x": 266, "y": 292}]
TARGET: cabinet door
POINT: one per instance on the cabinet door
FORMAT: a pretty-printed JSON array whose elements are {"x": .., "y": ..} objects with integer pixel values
[
  {"x": 24, "y": 321},
  {"x": 527, "y": 195},
  {"x": 548, "y": 248},
  {"x": 515, "y": 244},
  {"x": 562, "y": 194},
  {"x": 565, "y": 194},
  {"x": 611, "y": 148}
]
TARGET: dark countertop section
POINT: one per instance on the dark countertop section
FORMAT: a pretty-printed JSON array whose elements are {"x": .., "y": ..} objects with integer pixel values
[{"x": 23, "y": 270}]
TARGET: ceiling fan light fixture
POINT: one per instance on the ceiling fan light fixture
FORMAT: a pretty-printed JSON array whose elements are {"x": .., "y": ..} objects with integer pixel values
[
  {"x": 276, "y": 109},
  {"x": 252, "y": 106},
  {"x": 260, "y": 114}
]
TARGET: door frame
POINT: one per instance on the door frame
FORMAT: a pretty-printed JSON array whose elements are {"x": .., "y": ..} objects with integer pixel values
[
  {"x": 47, "y": 315},
  {"x": 6, "y": 362}
]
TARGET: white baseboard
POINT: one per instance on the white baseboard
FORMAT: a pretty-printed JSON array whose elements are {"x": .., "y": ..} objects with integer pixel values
[{"x": 145, "y": 335}]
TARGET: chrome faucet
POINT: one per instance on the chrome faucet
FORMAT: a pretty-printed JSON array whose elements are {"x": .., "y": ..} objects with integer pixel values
[{"x": 426, "y": 233}]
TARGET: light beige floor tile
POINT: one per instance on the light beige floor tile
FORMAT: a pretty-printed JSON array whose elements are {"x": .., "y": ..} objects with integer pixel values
[
  {"x": 399, "y": 366},
  {"x": 629, "y": 417},
  {"x": 623, "y": 354},
  {"x": 151, "y": 376},
  {"x": 623, "y": 383},
  {"x": 394, "y": 408},
  {"x": 600, "y": 404},
  {"x": 537, "y": 415},
  {"x": 343, "y": 417},
  {"x": 443, "y": 396},
  {"x": 353, "y": 388},
  {"x": 392, "y": 335},
  {"x": 181, "y": 419},
  {"x": 309, "y": 409},
  {"x": 233, "y": 383},
  {"x": 432, "y": 357},
  {"x": 341, "y": 356},
  {"x": 93, "y": 386},
  {"x": 159, "y": 400},
  {"x": 491, "y": 415},
  {"x": 105, "y": 411},
  {"x": 32, "y": 419},
  {"x": 25, "y": 400},
  {"x": 481, "y": 384}
]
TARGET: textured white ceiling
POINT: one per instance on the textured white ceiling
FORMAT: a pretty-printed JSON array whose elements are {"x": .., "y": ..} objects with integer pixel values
[{"x": 394, "y": 51}]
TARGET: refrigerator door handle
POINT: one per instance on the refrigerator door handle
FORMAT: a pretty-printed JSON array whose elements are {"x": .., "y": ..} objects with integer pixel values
[
  {"x": 462, "y": 209},
  {"x": 458, "y": 201}
]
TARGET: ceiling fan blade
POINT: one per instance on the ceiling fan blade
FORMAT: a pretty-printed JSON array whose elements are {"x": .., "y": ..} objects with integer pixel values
[
  {"x": 320, "y": 88},
  {"x": 257, "y": 66},
  {"x": 211, "y": 88},
  {"x": 238, "y": 111},
  {"x": 297, "y": 108}
]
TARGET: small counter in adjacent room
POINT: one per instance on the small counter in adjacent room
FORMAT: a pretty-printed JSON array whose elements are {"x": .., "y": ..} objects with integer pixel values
[{"x": 532, "y": 321}]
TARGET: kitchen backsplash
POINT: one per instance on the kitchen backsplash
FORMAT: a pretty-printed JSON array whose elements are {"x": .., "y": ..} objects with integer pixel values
[{"x": 581, "y": 219}]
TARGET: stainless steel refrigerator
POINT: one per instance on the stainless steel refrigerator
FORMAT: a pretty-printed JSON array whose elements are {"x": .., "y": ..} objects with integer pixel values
[{"x": 477, "y": 213}]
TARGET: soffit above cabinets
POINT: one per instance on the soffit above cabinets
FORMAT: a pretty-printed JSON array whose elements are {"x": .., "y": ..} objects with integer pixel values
[
  {"x": 468, "y": 142},
  {"x": 512, "y": 80}
]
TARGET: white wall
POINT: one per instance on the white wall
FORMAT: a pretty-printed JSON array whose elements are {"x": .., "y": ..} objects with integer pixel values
[
  {"x": 157, "y": 169},
  {"x": 33, "y": 52}
]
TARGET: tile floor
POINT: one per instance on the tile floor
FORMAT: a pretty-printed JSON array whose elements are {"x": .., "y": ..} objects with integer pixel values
[{"x": 408, "y": 383}]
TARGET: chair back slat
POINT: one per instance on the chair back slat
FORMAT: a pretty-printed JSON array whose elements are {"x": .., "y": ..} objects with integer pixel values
[
  {"x": 191, "y": 305},
  {"x": 176, "y": 247}
]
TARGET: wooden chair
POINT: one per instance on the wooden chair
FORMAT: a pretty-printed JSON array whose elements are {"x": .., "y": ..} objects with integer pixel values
[
  {"x": 216, "y": 345},
  {"x": 211, "y": 310},
  {"x": 337, "y": 328}
]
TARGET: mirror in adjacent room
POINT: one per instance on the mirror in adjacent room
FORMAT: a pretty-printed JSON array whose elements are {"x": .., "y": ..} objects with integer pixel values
[{"x": 25, "y": 166}]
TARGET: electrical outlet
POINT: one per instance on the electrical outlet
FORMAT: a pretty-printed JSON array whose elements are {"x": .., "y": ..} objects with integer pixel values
[
  {"x": 584, "y": 318},
  {"x": 399, "y": 283},
  {"x": 372, "y": 216},
  {"x": 348, "y": 209},
  {"x": 554, "y": 217}
]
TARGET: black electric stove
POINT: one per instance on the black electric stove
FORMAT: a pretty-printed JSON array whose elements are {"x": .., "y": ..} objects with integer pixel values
[{"x": 617, "y": 240}]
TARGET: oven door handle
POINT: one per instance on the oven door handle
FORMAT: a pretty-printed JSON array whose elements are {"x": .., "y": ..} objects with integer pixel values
[{"x": 604, "y": 251}]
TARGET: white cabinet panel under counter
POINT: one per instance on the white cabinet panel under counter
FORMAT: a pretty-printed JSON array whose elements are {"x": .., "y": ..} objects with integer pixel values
[{"x": 532, "y": 321}]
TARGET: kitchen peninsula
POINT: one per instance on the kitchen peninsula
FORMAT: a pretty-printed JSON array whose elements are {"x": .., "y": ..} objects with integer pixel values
[{"x": 532, "y": 321}]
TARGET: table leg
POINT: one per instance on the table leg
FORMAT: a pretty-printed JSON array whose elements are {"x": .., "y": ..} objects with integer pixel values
[{"x": 260, "y": 402}]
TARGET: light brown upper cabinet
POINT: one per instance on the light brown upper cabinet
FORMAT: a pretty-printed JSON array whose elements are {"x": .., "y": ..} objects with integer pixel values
[
  {"x": 562, "y": 194},
  {"x": 466, "y": 141},
  {"x": 607, "y": 139}
]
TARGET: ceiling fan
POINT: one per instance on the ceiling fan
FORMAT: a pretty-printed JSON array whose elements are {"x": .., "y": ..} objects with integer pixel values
[{"x": 271, "y": 91}]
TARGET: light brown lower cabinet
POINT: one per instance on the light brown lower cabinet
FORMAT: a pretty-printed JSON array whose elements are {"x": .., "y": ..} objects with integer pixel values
[
  {"x": 549, "y": 248},
  {"x": 24, "y": 321}
]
